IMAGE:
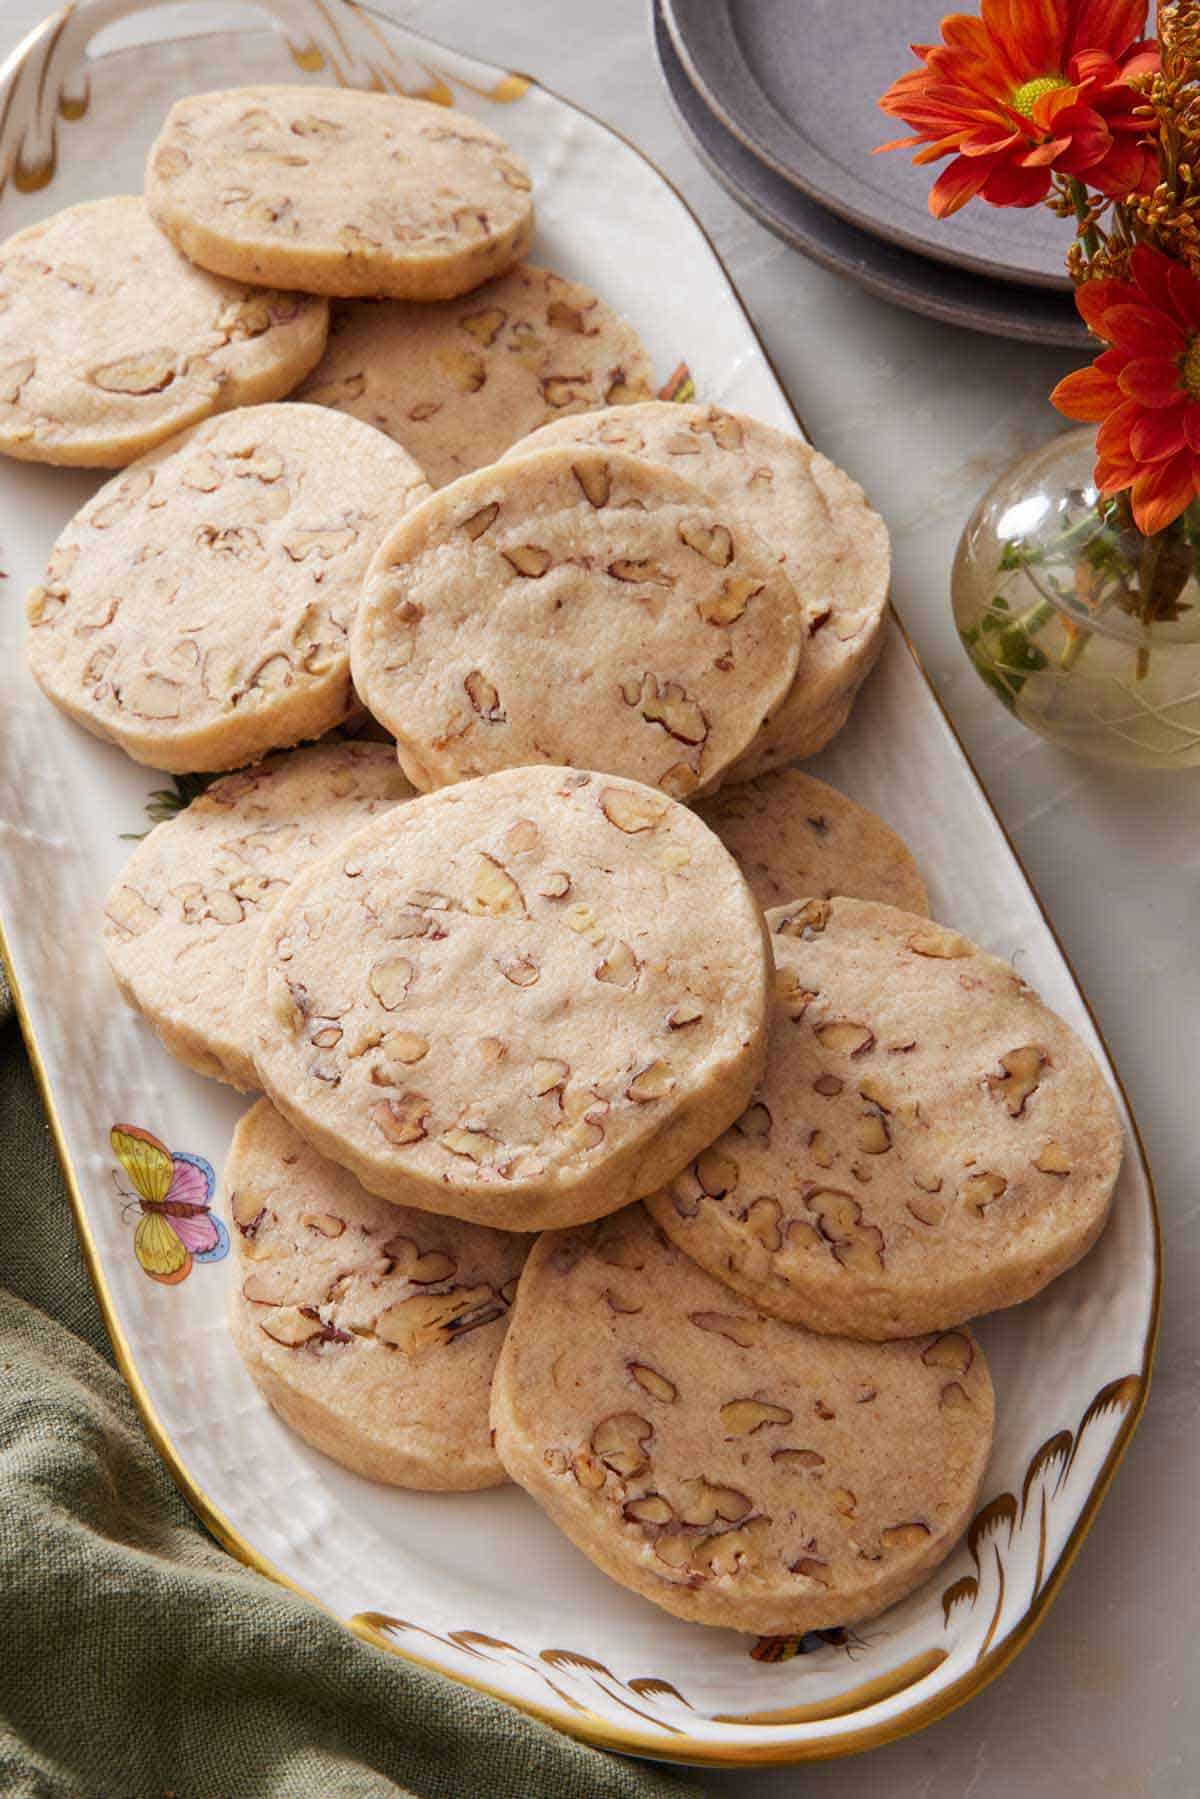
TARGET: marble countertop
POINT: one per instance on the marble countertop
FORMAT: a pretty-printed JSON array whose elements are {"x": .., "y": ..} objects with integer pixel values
[{"x": 1102, "y": 1700}]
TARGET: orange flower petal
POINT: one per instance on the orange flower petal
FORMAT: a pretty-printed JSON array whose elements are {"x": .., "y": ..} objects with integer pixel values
[
  {"x": 1111, "y": 25},
  {"x": 1043, "y": 155},
  {"x": 1185, "y": 295},
  {"x": 959, "y": 182},
  {"x": 1090, "y": 142},
  {"x": 1094, "y": 68},
  {"x": 1095, "y": 297},
  {"x": 1157, "y": 435},
  {"x": 1088, "y": 395},
  {"x": 1126, "y": 169},
  {"x": 1115, "y": 474},
  {"x": 897, "y": 143},
  {"x": 1142, "y": 330},
  {"x": 1112, "y": 439},
  {"x": 1191, "y": 427},
  {"x": 1151, "y": 272},
  {"x": 1011, "y": 185},
  {"x": 1152, "y": 381},
  {"x": 1031, "y": 34},
  {"x": 990, "y": 140},
  {"x": 1162, "y": 492},
  {"x": 1049, "y": 108}
]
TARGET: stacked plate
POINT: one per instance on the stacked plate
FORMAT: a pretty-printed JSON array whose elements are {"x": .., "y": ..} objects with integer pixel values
[{"x": 779, "y": 101}]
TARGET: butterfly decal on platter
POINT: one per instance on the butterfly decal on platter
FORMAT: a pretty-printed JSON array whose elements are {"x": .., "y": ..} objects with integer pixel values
[
  {"x": 174, "y": 1192},
  {"x": 782, "y": 1649}
]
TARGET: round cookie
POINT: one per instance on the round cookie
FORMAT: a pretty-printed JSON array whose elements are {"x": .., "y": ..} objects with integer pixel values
[
  {"x": 457, "y": 382},
  {"x": 929, "y": 1141},
  {"x": 578, "y": 607},
  {"x": 337, "y": 191},
  {"x": 372, "y": 1330},
  {"x": 833, "y": 546},
  {"x": 521, "y": 1000},
  {"x": 734, "y": 1469},
  {"x": 180, "y": 920},
  {"x": 796, "y": 838},
  {"x": 196, "y": 610},
  {"x": 111, "y": 341}
]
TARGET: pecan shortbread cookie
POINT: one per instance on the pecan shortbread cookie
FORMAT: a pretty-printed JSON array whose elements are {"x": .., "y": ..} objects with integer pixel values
[
  {"x": 734, "y": 1469},
  {"x": 459, "y": 381},
  {"x": 337, "y": 191},
  {"x": 196, "y": 611},
  {"x": 524, "y": 1000},
  {"x": 180, "y": 920},
  {"x": 796, "y": 838},
  {"x": 111, "y": 341},
  {"x": 929, "y": 1141},
  {"x": 372, "y": 1330},
  {"x": 575, "y": 606},
  {"x": 834, "y": 548}
]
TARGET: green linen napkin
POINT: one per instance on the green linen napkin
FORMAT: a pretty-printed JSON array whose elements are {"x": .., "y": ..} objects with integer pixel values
[{"x": 137, "y": 1659}]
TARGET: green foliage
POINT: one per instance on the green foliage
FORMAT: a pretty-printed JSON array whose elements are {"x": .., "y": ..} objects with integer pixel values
[
  {"x": 1002, "y": 648},
  {"x": 165, "y": 802}
]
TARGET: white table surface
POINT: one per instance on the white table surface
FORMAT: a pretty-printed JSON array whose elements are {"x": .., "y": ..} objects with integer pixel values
[{"x": 1103, "y": 1700}]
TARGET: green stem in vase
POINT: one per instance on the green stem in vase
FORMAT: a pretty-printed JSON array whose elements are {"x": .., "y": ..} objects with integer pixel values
[
  {"x": 1002, "y": 648},
  {"x": 1083, "y": 212},
  {"x": 1077, "y": 639}
]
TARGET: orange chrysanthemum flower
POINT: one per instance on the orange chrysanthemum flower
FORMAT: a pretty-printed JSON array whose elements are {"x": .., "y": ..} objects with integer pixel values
[
  {"x": 1143, "y": 392},
  {"x": 1031, "y": 88}
]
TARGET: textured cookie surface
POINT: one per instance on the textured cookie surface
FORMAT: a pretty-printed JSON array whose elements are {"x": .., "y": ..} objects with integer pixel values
[
  {"x": 734, "y": 1469},
  {"x": 180, "y": 920},
  {"x": 458, "y": 382},
  {"x": 372, "y": 1330},
  {"x": 796, "y": 838},
  {"x": 514, "y": 1000},
  {"x": 834, "y": 547},
  {"x": 574, "y": 606},
  {"x": 336, "y": 191},
  {"x": 110, "y": 340},
  {"x": 930, "y": 1141},
  {"x": 196, "y": 610}
]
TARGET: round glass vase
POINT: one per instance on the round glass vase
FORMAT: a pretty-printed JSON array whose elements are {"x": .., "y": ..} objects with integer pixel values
[{"x": 1088, "y": 631}]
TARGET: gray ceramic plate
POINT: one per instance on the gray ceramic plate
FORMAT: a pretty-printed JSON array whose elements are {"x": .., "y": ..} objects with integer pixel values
[
  {"x": 952, "y": 294},
  {"x": 797, "y": 81}
]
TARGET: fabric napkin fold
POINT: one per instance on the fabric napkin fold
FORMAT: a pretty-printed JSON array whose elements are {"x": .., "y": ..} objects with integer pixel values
[{"x": 137, "y": 1659}]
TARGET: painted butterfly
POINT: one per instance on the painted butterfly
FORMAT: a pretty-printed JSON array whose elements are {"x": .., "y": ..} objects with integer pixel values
[
  {"x": 782, "y": 1649},
  {"x": 174, "y": 1192}
]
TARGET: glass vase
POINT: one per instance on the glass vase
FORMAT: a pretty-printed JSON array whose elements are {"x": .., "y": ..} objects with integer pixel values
[{"x": 1088, "y": 631}]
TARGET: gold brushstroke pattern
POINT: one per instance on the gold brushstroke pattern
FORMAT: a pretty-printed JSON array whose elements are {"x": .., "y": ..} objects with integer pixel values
[
  {"x": 649, "y": 1688},
  {"x": 854, "y": 1699},
  {"x": 471, "y": 1639},
  {"x": 1055, "y": 1447},
  {"x": 992, "y": 1627},
  {"x": 1040, "y": 1570},
  {"x": 73, "y": 107},
  {"x": 1001, "y": 1510},
  {"x": 437, "y": 93},
  {"x": 509, "y": 88},
  {"x": 1118, "y": 1395},
  {"x": 309, "y": 57},
  {"x": 30, "y": 178},
  {"x": 966, "y": 1587}
]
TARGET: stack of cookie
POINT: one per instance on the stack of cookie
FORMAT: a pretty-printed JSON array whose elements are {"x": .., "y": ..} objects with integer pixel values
[{"x": 509, "y": 970}]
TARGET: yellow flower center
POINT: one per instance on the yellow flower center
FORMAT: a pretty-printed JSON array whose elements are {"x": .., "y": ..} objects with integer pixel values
[
  {"x": 1189, "y": 368},
  {"x": 1029, "y": 93}
]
